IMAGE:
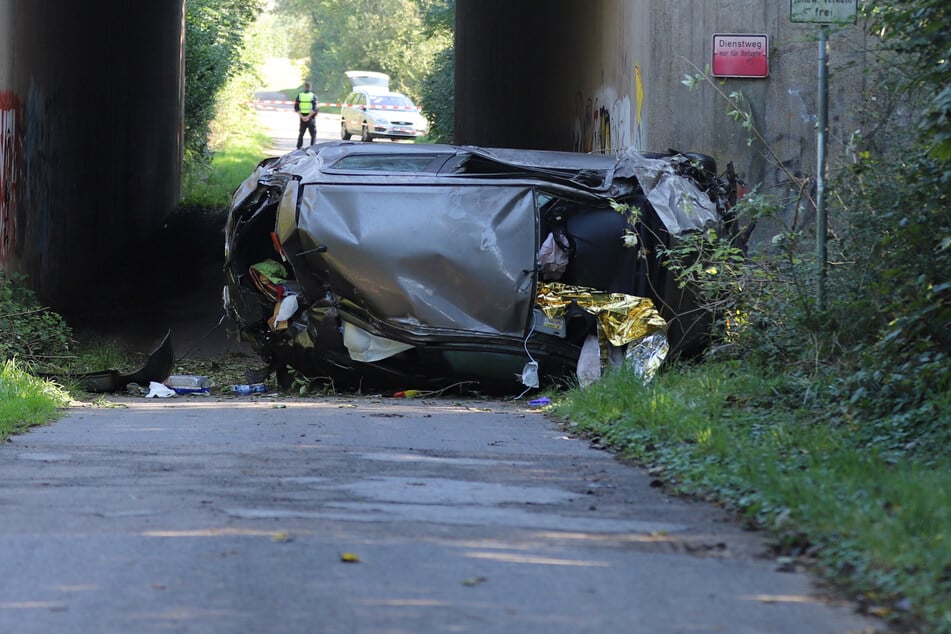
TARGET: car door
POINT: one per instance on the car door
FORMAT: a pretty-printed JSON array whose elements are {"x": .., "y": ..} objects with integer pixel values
[
  {"x": 454, "y": 261},
  {"x": 345, "y": 112},
  {"x": 359, "y": 112}
]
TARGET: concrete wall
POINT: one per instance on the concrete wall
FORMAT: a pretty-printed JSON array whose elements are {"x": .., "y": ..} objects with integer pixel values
[
  {"x": 600, "y": 75},
  {"x": 91, "y": 115},
  {"x": 517, "y": 67}
]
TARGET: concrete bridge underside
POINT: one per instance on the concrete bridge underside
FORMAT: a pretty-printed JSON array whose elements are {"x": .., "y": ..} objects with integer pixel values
[
  {"x": 91, "y": 101},
  {"x": 91, "y": 113}
]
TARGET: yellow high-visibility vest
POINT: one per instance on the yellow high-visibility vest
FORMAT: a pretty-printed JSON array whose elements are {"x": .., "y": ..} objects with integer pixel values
[{"x": 306, "y": 102}]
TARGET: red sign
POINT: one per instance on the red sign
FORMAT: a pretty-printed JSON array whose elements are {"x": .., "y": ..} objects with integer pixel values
[{"x": 740, "y": 55}]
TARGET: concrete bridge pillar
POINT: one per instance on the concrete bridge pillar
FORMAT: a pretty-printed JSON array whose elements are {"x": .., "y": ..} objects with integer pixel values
[{"x": 91, "y": 100}]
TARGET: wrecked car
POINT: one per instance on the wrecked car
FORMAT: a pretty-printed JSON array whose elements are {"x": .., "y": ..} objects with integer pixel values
[{"x": 414, "y": 266}]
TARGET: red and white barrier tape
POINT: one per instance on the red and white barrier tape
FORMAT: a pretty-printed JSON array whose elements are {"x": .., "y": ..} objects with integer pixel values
[
  {"x": 263, "y": 104},
  {"x": 267, "y": 104}
]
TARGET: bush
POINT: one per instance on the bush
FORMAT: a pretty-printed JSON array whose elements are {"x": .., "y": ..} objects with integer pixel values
[
  {"x": 29, "y": 332},
  {"x": 878, "y": 354},
  {"x": 438, "y": 99},
  {"x": 214, "y": 41},
  {"x": 896, "y": 289}
]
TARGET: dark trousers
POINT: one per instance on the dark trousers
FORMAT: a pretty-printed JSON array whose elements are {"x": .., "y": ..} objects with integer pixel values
[{"x": 307, "y": 125}]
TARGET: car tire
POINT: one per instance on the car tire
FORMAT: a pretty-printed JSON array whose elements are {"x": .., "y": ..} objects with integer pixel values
[
  {"x": 344, "y": 134},
  {"x": 365, "y": 134}
]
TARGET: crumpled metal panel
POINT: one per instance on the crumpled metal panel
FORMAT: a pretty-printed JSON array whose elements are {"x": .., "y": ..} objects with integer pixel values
[
  {"x": 547, "y": 160},
  {"x": 457, "y": 260},
  {"x": 679, "y": 203}
]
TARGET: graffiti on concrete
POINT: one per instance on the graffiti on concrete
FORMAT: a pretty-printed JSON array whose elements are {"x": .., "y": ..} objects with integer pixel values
[
  {"x": 8, "y": 173},
  {"x": 603, "y": 121},
  {"x": 582, "y": 134}
]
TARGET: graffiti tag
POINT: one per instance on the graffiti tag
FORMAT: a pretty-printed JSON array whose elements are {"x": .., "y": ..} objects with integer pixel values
[{"x": 8, "y": 173}]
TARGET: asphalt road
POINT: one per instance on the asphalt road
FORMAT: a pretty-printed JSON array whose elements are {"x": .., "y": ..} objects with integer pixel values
[
  {"x": 237, "y": 515},
  {"x": 200, "y": 514},
  {"x": 280, "y": 123}
]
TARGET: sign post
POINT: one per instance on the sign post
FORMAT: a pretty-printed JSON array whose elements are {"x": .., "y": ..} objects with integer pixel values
[
  {"x": 821, "y": 221},
  {"x": 822, "y": 12}
]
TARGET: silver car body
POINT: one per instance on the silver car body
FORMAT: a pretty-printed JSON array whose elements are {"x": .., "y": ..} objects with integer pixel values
[{"x": 419, "y": 264}]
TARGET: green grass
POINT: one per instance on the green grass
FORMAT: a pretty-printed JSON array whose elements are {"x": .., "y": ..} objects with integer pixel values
[
  {"x": 211, "y": 186},
  {"x": 727, "y": 433},
  {"x": 26, "y": 401},
  {"x": 237, "y": 146}
]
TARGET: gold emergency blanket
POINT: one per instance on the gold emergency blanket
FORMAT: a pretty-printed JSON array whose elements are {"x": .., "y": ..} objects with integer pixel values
[{"x": 623, "y": 318}]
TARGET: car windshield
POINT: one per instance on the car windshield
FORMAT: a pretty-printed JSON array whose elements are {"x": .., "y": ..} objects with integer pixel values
[{"x": 391, "y": 101}]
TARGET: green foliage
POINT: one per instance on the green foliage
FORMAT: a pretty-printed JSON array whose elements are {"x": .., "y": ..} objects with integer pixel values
[
  {"x": 892, "y": 235},
  {"x": 279, "y": 35},
  {"x": 894, "y": 306},
  {"x": 30, "y": 332},
  {"x": 919, "y": 33},
  {"x": 438, "y": 98},
  {"x": 715, "y": 271},
  {"x": 437, "y": 94},
  {"x": 379, "y": 35},
  {"x": 33, "y": 337},
  {"x": 439, "y": 17},
  {"x": 214, "y": 41},
  {"x": 885, "y": 334},
  {"x": 238, "y": 147},
  {"x": 223, "y": 144}
]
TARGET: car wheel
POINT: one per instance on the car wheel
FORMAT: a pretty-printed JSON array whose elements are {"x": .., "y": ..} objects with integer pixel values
[
  {"x": 365, "y": 135},
  {"x": 343, "y": 131}
]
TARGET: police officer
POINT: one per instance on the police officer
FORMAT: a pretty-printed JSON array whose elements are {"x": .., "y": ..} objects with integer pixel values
[{"x": 305, "y": 105}]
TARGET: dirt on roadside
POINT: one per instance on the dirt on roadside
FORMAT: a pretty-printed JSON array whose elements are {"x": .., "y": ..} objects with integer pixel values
[{"x": 178, "y": 290}]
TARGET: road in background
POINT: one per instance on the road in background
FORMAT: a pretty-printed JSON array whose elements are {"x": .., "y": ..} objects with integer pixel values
[{"x": 279, "y": 122}]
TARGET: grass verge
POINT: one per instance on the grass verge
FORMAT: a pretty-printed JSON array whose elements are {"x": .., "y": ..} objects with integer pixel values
[
  {"x": 210, "y": 186},
  {"x": 26, "y": 401},
  {"x": 734, "y": 436}
]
